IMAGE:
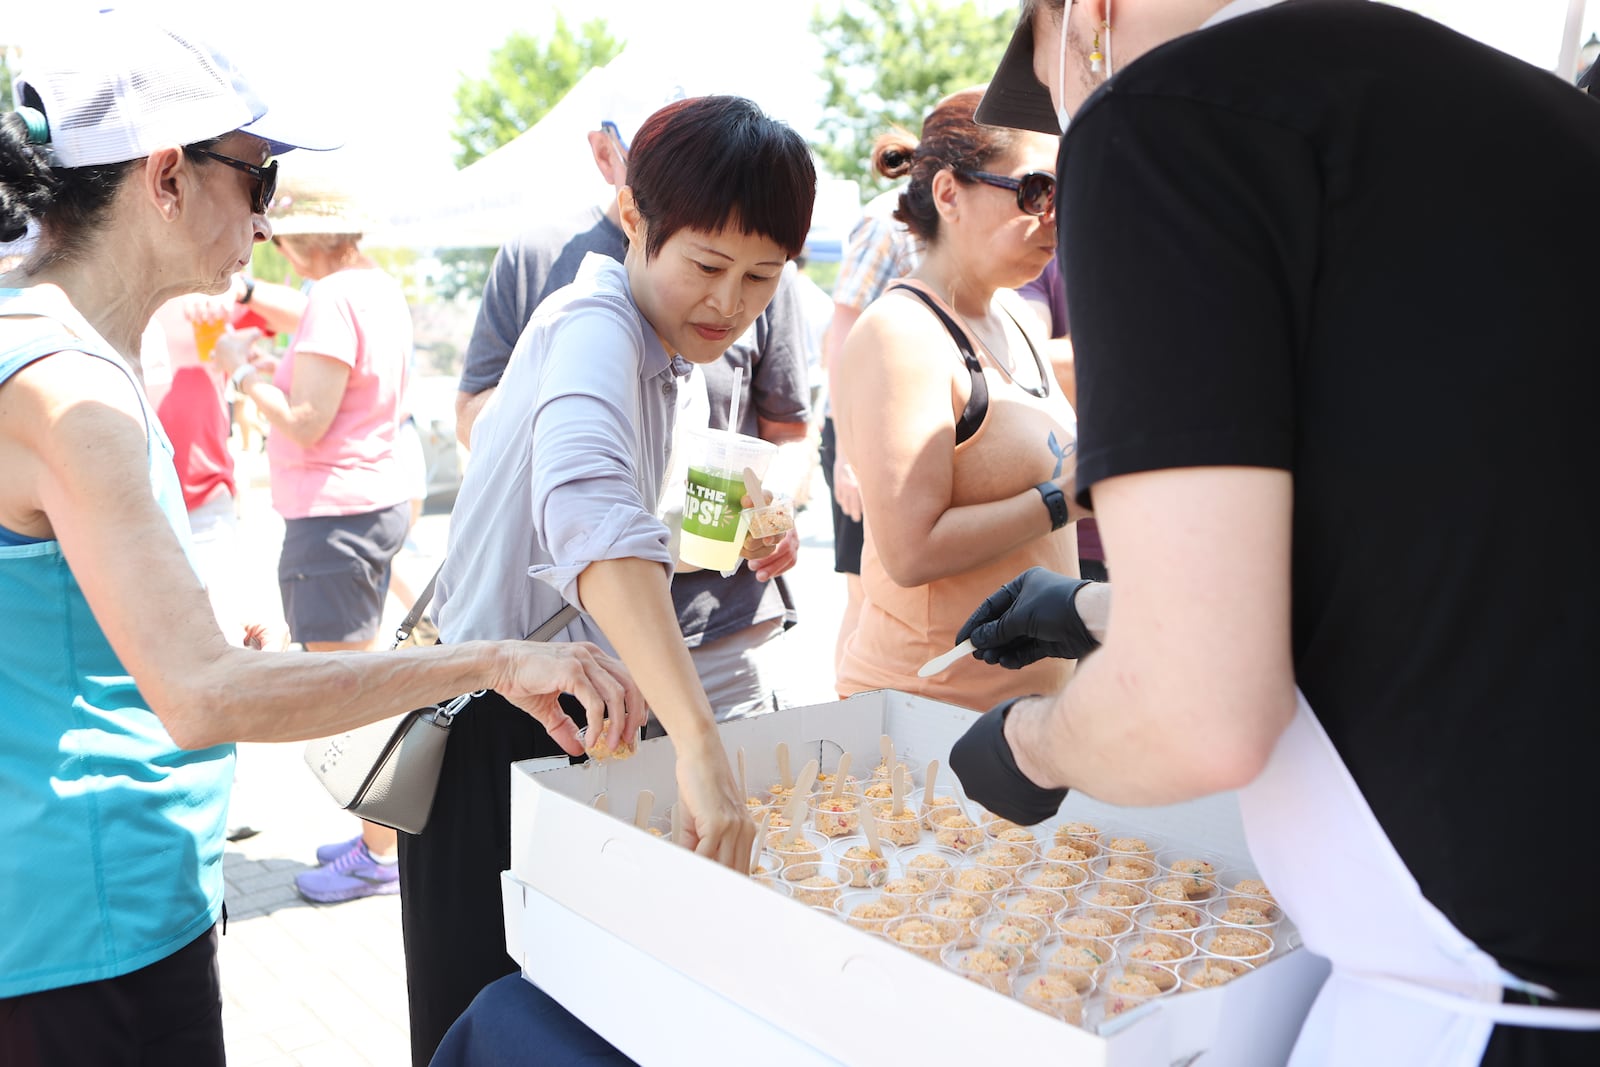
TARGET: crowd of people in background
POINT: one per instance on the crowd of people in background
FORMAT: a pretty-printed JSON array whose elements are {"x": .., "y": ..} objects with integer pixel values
[{"x": 946, "y": 379}]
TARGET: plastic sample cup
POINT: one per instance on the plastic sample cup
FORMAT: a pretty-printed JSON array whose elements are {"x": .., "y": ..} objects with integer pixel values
[
  {"x": 206, "y": 335},
  {"x": 1129, "y": 989},
  {"x": 1064, "y": 878},
  {"x": 772, "y": 520},
  {"x": 870, "y": 909},
  {"x": 965, "y": 908},
  {"x": 1146, "y": 947},
  {"x": 1257, "y": 913},
  {"x": 925, "y": 935},
  {"x": 1171, "y": 917},
  {"x": 1114, "y": 868},
  {"x": 1237, "y": 943},
  {"x": 1056, "y": 991},
  {"x": 1023, "y": 931},
  {"x": 902, "y": 829},
  {"x": 836, "y": 816},
  {"x": 989, "y": 963},
  {"x": 1104, "y": 923},
  {"x": 1194, "y": 870},
  {"x": 1079, "y": 953},
  {"x": 865, "y": 867},
  {"x": 954, "y": 830},
  {"x": 816, "y": 884},
  {"x": 1114, "y": 896},
  {"x": 806, "y": 846},
  {"x": 1046, "y": 904},
  {"x": 1132, "y": 843},
  {"x": 1243, "y": 882},
  {"x": 715, "y": 520},
  {"x": 1208, "y": 972},
  {"x": 932, "y": 865}
]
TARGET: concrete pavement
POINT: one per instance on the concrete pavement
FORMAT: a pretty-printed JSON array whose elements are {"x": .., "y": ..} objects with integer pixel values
[{"x": 315, "y": 985}]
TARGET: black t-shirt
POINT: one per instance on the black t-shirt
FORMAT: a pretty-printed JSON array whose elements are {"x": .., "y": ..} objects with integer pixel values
[{"x": 1337, "y": 239}]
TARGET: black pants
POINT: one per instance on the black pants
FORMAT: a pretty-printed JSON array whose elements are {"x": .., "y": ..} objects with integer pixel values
[
  {"x": 450, "y": 907},
  {"x": 848, "y": 534},
  {"x": 167, "y": 1013}
]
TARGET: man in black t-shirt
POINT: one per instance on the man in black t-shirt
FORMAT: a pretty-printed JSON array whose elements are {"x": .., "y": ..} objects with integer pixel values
[{"x": 1335, "y": 368}]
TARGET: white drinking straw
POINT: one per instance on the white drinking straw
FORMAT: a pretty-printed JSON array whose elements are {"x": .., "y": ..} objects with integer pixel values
[{"x": 733, "y": 401}]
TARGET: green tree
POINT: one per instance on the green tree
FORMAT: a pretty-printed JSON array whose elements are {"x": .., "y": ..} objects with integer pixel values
[
  {"x": 6, "y": 103},
  {"x": 887, "y": 62},
  {"x": 526, "y": 79}
]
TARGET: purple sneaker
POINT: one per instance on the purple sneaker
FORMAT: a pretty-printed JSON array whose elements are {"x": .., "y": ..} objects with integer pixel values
[
  {"x": 329, "y": 853},
  {"x": 352, "y": 875}
]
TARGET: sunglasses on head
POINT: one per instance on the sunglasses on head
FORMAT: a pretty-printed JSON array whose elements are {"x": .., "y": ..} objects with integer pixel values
[
  {"x": 1036, "y": 190},
  {"x": 266, "y": 177}
]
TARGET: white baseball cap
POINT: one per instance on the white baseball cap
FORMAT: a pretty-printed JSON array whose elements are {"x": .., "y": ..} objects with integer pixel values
[{"x": 119, "y": 86}]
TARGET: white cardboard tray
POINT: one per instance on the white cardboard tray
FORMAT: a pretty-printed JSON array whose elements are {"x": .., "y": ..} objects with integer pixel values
[{"x": 675, "y": 959}]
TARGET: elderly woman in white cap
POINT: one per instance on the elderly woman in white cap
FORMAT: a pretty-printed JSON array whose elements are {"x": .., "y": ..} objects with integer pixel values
[
  {"x": 334, "y": 408},
  {"x": 141, "y": 159}
]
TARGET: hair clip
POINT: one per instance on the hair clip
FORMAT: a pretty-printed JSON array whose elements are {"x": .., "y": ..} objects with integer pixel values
[{"x": 38, "y": 126}]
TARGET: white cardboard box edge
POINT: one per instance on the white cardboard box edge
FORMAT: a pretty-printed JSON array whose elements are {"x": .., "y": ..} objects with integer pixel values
[{"x": 827, "y": 984}]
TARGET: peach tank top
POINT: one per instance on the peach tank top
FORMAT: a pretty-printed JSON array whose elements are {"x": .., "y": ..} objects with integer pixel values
[{"x": 900, "y": 628}]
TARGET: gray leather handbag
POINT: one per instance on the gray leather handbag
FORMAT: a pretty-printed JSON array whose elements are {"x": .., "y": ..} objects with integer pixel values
[{"x": 388, "y": 771}]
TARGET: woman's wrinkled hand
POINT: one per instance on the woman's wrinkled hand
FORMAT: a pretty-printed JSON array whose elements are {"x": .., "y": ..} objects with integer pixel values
[{"x": 538, "y": 674}]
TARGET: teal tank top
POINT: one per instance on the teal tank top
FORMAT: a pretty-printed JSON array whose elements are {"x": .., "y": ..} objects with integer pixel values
[{"x": 111, "y": 836}]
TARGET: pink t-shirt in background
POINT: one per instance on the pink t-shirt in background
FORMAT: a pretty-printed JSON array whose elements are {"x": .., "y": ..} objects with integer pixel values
[{"x": 360, "y": 318}]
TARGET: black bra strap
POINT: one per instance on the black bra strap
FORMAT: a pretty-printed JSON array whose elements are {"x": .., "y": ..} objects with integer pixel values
[{"x": 978, "y": 402}]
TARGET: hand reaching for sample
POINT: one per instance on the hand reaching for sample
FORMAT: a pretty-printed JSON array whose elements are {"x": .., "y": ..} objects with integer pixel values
[
  {"x": 717, "y": 823},
  {"x": 1030, "y": 617},
  {"x": 539, "y": 672}
]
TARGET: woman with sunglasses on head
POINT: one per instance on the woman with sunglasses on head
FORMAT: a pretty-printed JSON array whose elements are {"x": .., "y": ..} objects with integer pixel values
[
  {"x": 120, "y": 696},
  {"x": 964, "y": 443}
]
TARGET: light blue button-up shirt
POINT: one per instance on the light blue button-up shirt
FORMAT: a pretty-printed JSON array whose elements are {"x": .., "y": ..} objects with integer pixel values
[{"x": 569, "y": 458}]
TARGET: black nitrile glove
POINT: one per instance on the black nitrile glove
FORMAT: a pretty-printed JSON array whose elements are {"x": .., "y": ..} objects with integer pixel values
[
  {"x": 1032, "y": 616},
  {"x": 989, "y": 774}
]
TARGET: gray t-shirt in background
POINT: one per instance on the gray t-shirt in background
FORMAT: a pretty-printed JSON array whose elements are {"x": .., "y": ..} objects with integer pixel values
[{"x": 526, "y": 270}]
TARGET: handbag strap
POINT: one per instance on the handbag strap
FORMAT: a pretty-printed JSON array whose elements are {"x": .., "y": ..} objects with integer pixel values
[
  {"x": 544, "y": 632},
  {"x": 409, "y": 623},
  {"x": 554, "y": 624}
]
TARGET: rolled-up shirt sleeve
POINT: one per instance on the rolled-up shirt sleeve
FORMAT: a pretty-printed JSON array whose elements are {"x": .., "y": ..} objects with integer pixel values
[{"x": 593, "y": 489}]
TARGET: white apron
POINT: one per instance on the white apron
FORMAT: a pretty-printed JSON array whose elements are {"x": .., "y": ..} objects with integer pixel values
[{"x": 1407, "y": 987}]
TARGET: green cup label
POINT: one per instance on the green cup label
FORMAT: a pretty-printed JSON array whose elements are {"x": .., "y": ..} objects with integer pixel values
[{"x": 712, "y": 504}]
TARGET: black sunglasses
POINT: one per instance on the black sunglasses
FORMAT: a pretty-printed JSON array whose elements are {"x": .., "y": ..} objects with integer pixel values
[
  {"x": 266, "y": 177},
  {"x": 1036, "y": 190}
]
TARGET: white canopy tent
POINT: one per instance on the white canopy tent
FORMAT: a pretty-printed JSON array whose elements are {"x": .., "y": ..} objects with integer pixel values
[{"x": 549, "y": 167}]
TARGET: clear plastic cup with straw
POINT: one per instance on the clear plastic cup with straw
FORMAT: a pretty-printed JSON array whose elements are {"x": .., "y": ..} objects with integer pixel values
[{"x": 715, "y": 521}]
